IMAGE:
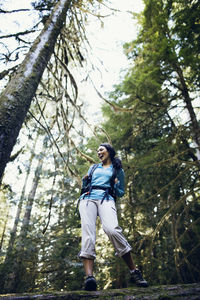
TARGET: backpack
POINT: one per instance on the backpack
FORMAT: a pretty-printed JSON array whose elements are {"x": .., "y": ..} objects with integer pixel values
[{"x": 86, "y": 185}]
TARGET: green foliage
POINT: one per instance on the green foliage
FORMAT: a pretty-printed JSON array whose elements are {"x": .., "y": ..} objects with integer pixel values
[{"x": 160, "y": 163}]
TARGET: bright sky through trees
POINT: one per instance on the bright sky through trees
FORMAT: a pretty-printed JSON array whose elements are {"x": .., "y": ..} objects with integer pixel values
[
  {"x": 106, "y": 40},
  {"x": 107, "y": 43}
]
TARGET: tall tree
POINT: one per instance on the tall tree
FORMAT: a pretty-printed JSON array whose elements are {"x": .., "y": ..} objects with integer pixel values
[
  {"x": 165, "y": 49},
  {"x": 17, "y": 96}
]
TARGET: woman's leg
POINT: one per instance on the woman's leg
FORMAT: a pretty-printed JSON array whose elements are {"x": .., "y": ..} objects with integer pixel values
[
  {"x": 90, "y": 281},
  {"x": 88, "y": 214},
  {"x": 108, "y": 215},
  {"x": 129, "y": 261},
  {"x": 88, "y": 266}
]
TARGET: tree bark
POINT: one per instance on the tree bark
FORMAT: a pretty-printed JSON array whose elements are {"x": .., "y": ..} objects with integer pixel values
[
  {"x": 163, "y": 292},
  {"x": 17, "y": 96}
]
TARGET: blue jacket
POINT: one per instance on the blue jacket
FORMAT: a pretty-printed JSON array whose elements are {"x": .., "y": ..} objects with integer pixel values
[{"x": 101, "y": 177}]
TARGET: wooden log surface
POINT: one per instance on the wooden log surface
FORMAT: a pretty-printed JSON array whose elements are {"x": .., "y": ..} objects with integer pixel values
[{"x": 163, "y": 292}]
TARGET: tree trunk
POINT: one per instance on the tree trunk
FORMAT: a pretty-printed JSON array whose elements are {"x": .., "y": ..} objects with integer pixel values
[
  {"x": 188, "y": 102},
  {"x": 12, "y": 279},
  {"x": 19, "y": 208},
  {"x": 17, "y": 96},
  {"x": 3, "y": 233},
  {"x": 29, "y": 205}
]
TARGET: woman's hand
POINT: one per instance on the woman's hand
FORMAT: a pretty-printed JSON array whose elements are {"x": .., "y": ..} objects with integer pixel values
[{"x": 116, "y": 180}]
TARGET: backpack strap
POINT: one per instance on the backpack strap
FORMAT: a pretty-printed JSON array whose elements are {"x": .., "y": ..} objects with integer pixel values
[
  {"x": 89, "y": 179},
  {"x": 92, "y": 170}
]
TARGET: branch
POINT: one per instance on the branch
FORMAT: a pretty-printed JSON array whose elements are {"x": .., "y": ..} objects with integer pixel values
[
  {"x": 17, "y": 34},
  {"x": 168, "y": 213},
  {"x": 93, "y": 14},
  {"x": 14, "y": 156},
  {"x": 13, "y": 11},
  {"x": 70, "y": 76},
  {"x": 115, "y": 107},
  {"x": 6, "y": 72},
  {"x": 149, "y": 103},
  {"x": 97, "y": 128},
  {"x": 53, "y": 142},
  {"x": 70, "y": 99},
  {"x": 85, "y": 156}
]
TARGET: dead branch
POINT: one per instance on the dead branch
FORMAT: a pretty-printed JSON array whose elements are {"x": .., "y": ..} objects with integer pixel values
[{"x": 13, "y": 11}]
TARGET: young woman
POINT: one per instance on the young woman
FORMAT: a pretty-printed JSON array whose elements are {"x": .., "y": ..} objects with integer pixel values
[{"x": 99, "y": 201}]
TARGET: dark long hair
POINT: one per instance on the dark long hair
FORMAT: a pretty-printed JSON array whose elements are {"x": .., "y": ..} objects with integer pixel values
[{"x": 117, "y": 164}]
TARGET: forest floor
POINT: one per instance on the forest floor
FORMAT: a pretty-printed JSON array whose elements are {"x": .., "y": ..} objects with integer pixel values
[{"x": 163, "y": 292}]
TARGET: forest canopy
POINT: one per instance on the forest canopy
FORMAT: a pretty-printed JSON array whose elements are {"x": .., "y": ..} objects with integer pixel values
[{"x": 151, "y": 118}]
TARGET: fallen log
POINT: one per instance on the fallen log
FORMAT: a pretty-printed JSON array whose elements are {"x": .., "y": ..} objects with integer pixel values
[{"x": 163, "y": 292}]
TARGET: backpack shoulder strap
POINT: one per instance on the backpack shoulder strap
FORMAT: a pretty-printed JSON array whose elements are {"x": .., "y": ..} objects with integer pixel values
[{"x": 92, "y": 170}]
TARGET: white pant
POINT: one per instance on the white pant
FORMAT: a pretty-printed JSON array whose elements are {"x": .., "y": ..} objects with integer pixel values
[{"x": 89, "y": 210}]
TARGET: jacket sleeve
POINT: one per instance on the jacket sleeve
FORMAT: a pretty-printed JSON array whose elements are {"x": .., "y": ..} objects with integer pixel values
[{"x": 119, "y": 186}]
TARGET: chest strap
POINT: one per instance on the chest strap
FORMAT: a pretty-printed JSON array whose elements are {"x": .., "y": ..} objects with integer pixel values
[{"x": 96, "y": 187}]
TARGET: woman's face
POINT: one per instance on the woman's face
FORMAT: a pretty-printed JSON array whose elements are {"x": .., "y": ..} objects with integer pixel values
[{"x": 103, "y": 154}]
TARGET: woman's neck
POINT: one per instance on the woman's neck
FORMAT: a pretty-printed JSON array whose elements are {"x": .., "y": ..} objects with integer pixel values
[{"x": 107, "y": 163}]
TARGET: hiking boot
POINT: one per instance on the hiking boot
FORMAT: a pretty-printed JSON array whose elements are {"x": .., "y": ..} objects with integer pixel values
[
  {"x": 90, "y": 284},
  {"x": 136, "y": 277}
]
